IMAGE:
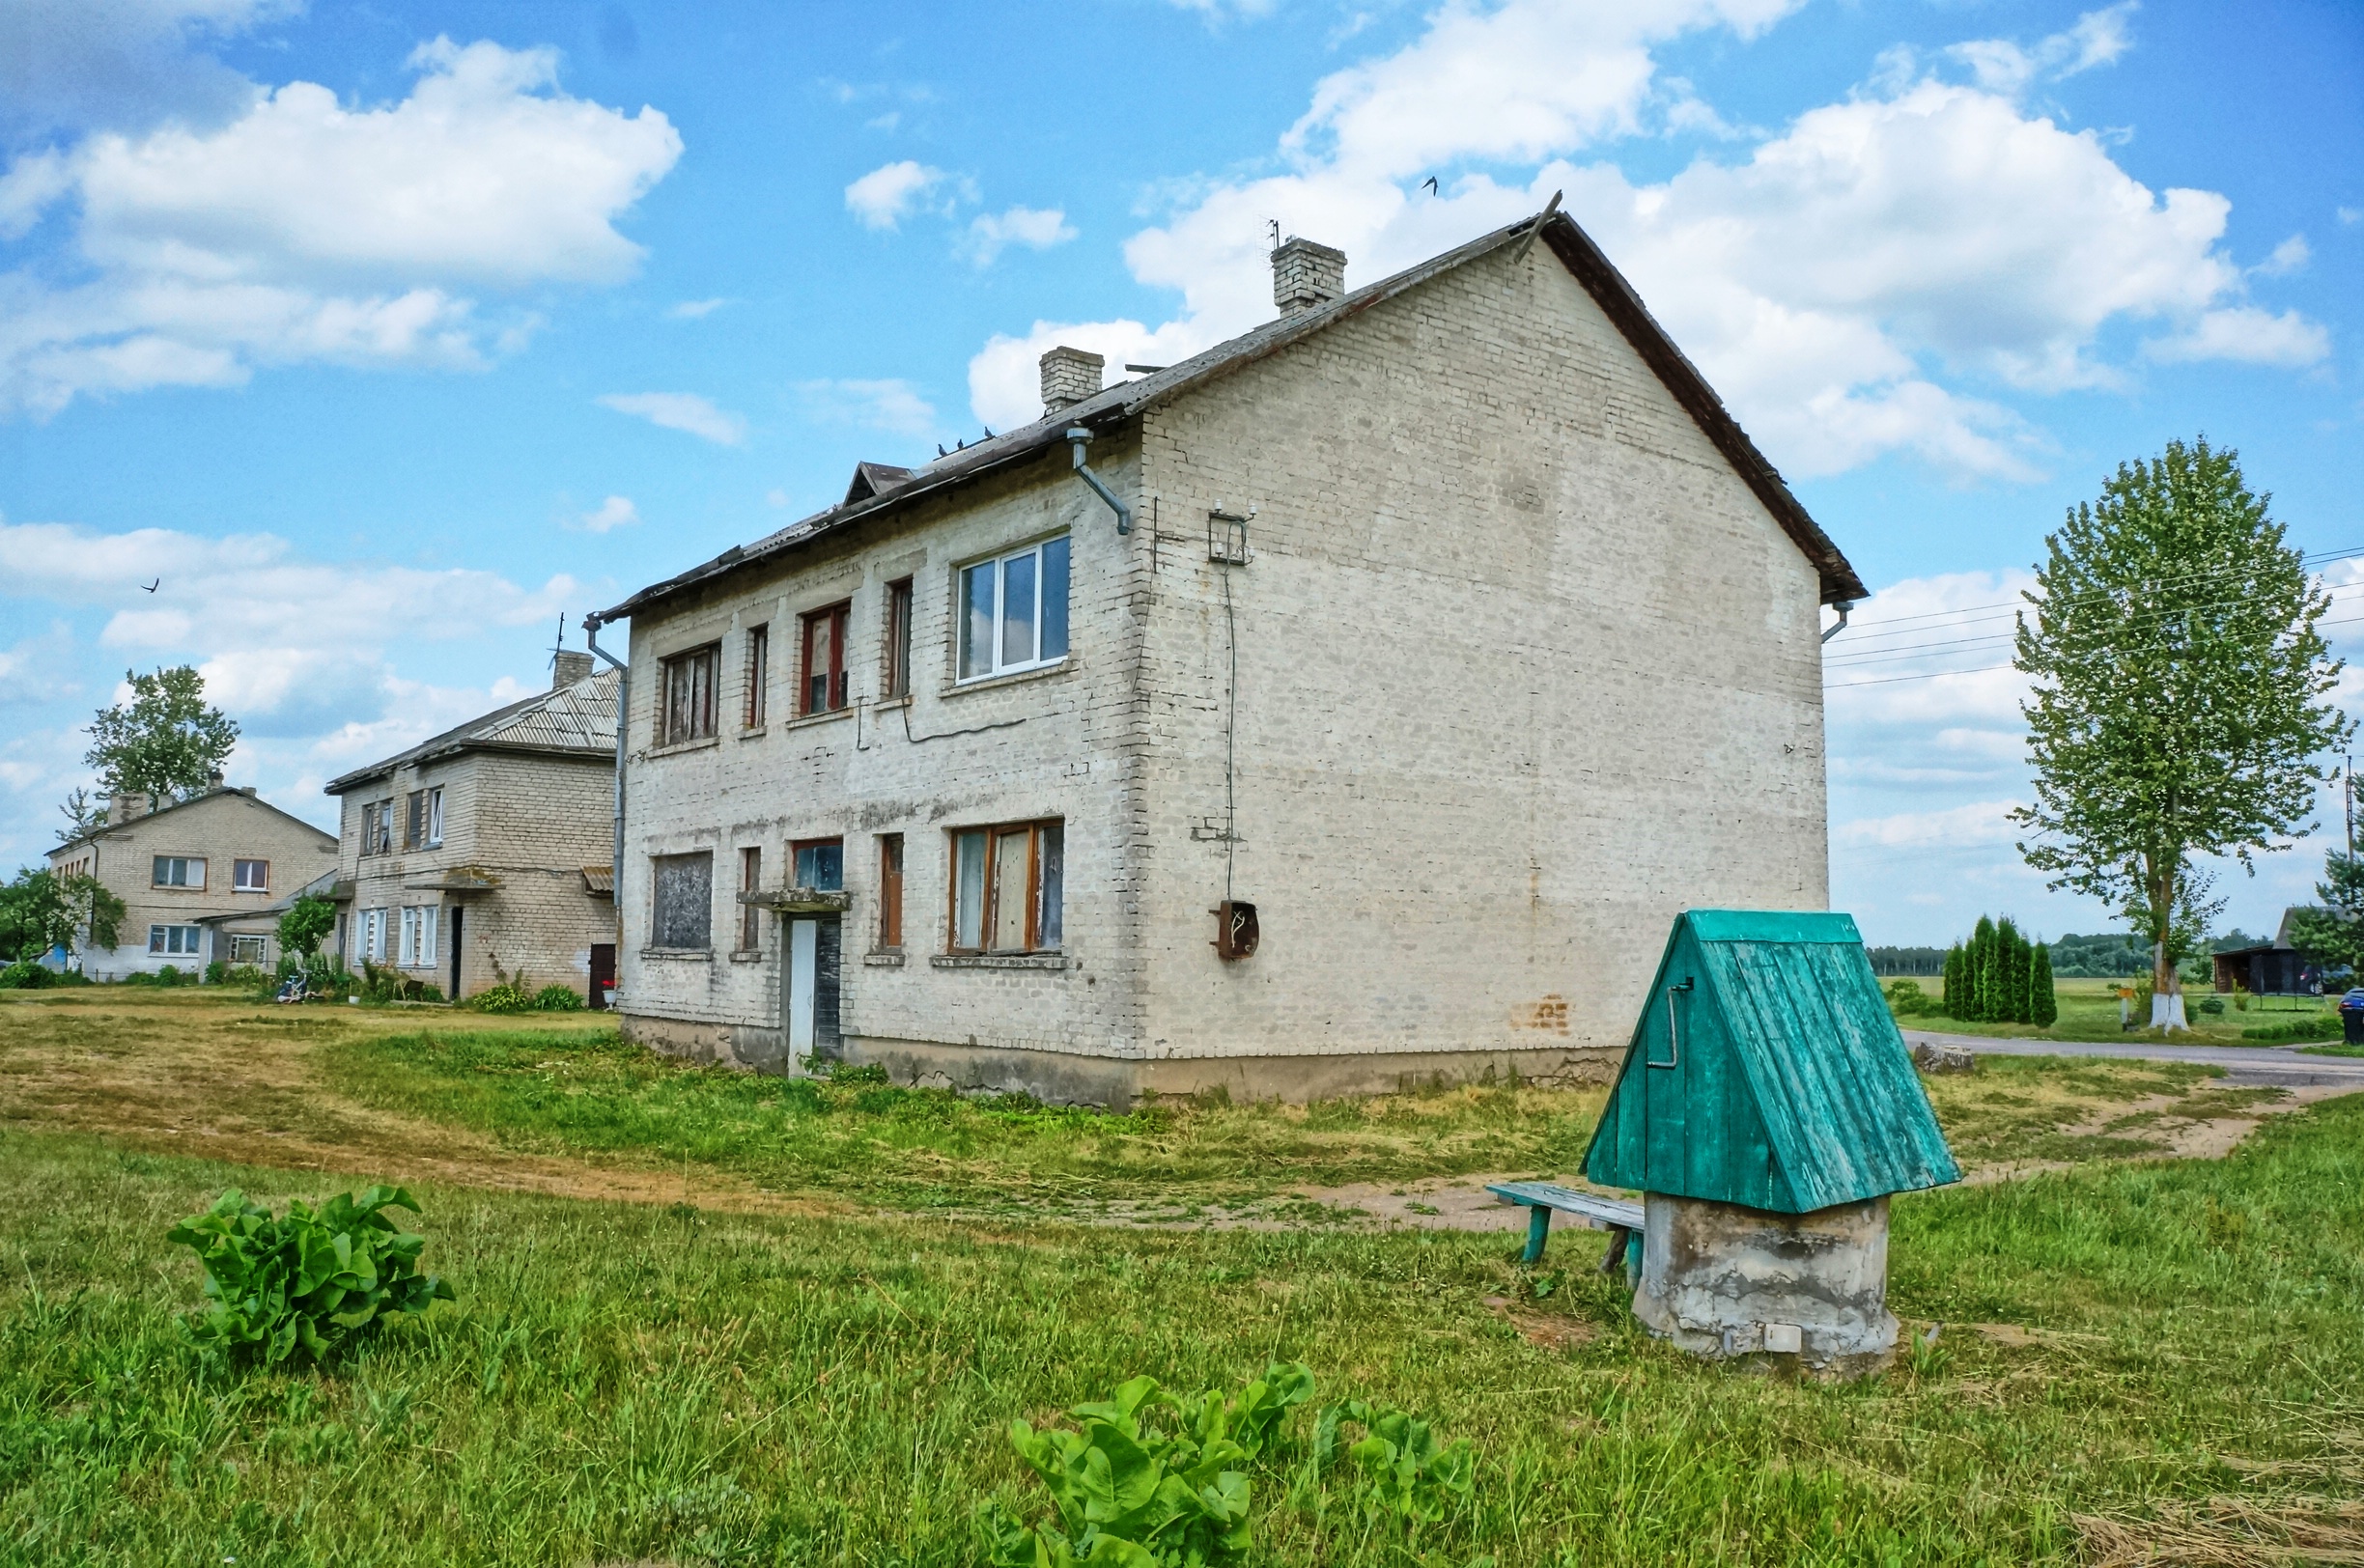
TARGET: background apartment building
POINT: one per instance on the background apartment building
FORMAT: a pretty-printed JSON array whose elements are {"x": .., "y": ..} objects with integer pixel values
[{"x": 485, "y": 851}]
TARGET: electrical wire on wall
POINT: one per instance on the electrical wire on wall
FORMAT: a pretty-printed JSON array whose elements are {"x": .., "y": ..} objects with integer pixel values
[{"x": 1230, "y": 739}]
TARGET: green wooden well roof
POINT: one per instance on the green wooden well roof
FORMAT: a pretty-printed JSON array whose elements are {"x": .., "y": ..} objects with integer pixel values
[{"x": 1767, "y": 1069}]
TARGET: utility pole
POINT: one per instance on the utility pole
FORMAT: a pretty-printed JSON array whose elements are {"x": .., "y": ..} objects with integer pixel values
[{"x": 2350, "y": 792}]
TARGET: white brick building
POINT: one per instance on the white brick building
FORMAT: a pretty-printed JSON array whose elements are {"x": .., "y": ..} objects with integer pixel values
[
  {"x": 485, "y": 851},
  {"x": 1457, "y": 631},
  {"x": 202, "y": 879}
]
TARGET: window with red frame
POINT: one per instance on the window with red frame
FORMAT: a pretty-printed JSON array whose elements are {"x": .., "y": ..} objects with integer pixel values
[{"x": 822, "y": 659}]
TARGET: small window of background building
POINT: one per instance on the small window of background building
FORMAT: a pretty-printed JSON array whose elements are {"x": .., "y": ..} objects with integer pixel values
[
  {"x": 180, "y": 871},
  {"x": 248, "y": 949},
  {"x": 435, "y": 817},
  {"x": 251, "y": 875},
  {"x": 174, "y": 941}
]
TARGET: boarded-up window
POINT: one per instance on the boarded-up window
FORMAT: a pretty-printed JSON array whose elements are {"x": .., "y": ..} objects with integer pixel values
[
  {"x": 1008, "y": 885},
  {"x": 891, "y": 891},
  {"x": 683, "y": 903},
  {"x": 689, "y": 712}
]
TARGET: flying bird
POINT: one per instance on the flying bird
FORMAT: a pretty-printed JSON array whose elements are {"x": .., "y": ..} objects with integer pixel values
[
  {"x": 1429, "y": 184},
  {"x": 152, "y": 587}
]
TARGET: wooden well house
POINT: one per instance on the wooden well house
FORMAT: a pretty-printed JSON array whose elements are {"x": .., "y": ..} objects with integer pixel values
[{"x": 1767, "y": 1108}]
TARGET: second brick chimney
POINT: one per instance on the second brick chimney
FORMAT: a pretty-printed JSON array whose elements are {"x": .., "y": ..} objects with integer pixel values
[
  {"x": 1307, "y": 275},
  {"x": 1069, "y": 376},
  {"x": 573, "y": 666}
]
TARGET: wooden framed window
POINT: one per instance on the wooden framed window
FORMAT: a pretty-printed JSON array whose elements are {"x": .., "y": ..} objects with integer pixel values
[
  {"x": 414, "y": 820},
  {"x": 758, "y": 675},
  {"x": 689, "y": 681},
  {"x": 890, "y": 892},
  {"x": 819, "y": 864},
  {"x": 821, "y": 657},
  {"x": 897, "y": 671},
  {"x": 1008, "y": 885},
  {"x": 250, "y": 876},
  {"x": 1014, "y": 611},
  {"x": 180, "y": 871},
  {"x": 751, "y": 918}
]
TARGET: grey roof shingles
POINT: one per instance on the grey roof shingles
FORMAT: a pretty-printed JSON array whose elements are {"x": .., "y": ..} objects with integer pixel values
[
  {"x": 1125, "y": 400},
  {"x": 576, "y": 719}
]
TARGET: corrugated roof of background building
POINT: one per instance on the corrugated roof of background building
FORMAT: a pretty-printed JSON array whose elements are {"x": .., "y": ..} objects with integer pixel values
[{"x": 579, "y": 719}]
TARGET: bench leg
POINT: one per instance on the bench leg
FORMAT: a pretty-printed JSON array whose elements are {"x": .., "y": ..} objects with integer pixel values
[
  {"x": 1539, "y": 1229},
  {"x": 1615, "y": 1258}
]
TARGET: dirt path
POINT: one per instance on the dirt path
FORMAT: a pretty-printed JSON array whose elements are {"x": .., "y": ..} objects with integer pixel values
[{"x": 217, "y": 1080}]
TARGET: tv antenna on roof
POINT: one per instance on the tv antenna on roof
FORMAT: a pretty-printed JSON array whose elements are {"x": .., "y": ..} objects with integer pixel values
[
  {"x": 1275, "y": 232},
  {"x": 558, "y": 647}
]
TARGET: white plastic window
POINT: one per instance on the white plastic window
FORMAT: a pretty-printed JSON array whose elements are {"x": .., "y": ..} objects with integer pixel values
[{"x": 1014, "y": 611}]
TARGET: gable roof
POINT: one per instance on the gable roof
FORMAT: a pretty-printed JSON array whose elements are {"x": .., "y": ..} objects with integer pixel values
[
  {"x": 578, "y": 721},
  {"x": 1767, "y": 1069},
  {"x": 246, "y": 793},
  {"x": 876, "y": 492}
]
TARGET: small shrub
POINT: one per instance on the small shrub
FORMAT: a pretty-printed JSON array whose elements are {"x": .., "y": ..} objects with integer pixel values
[
  {"x": 215, "y": 972},
  {"x": 25, "y": 975},
  {"x": 1906, "y": 999},
  {"x": 505, "y": 998},
  {"x": 1403, "y": 1471},
  {"x": 1149, "y": 1477},
  {"x": 2306, "y": 1026},
  {"x": 556, "y": 999},
  {"x": 2213, "y": 1006},
  {"x": 311, "y": 1281}
]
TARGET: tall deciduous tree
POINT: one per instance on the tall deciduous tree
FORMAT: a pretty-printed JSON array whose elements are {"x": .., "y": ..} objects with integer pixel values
[
  {"x": 165, "y": 742},
  {"x": 2333, "y": 936},
  {"x": 2178, "y": 706}
]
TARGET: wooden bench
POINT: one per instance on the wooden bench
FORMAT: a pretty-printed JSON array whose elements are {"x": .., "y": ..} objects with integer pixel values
[{"x": 1620, "y": 1217}]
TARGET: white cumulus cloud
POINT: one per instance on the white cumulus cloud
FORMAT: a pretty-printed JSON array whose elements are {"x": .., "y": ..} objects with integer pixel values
[
  {"x": 886, "y": 196},
  {"x": 306, "y": 229},
  {"x": 685, "y": 411},
  {"x": 615, "y": 511},
  {"x": 1035, "y": 228},
  {"x": 1878, "y": 277},
  {"x": 891, "y": 405}
]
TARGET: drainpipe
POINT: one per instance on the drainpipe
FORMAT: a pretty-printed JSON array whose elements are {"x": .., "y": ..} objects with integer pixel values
[
  {"x": 1077, "y": 437},
  {"x": 1841, "y": 606},
  {"x": 615, "y": 868}
]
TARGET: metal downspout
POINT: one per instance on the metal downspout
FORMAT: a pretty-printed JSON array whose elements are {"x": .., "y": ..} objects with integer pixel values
[
  {"x": 1841, "y": 606},
  {"x": 1077, "y": 437},
  {"x": 616, "y": 869}
]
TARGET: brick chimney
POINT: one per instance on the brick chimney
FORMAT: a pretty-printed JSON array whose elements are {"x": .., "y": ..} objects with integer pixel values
[
  {"x": 572, "y": 667},
  {"x": 213, "y": 781},
  {"x": 126, "y": 805},
  {"x": 1307, "y": 275},
  {"x": 1069, "y": 376}
]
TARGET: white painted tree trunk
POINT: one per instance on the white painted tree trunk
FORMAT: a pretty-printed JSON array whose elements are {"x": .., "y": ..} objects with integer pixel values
[{"x": 2167, "y": 1012}]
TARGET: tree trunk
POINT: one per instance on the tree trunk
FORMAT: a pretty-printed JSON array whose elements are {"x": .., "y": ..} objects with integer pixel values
[{"x": 2166, "y": 986}]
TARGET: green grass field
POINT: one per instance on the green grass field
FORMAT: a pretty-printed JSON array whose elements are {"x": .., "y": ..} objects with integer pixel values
[
  {"x": 652, "y": 1383},
  {"x": 2089, "y": 1010}
]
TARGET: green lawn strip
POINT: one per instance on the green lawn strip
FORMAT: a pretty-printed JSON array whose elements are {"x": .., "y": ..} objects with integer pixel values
[
  {"x": 586, "y": 1091},
  {"x": 2332, "y": 1050},
  {"x": 624, "y": 1383},
  {"x": 2089, "y": 1013}
]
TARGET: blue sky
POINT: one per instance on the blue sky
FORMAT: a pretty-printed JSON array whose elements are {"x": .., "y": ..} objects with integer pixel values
[{"x": 385, "y": 335}]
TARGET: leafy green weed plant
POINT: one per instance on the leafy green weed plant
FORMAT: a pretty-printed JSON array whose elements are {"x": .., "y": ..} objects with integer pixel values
[{"x": 310, "y": 1282}]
